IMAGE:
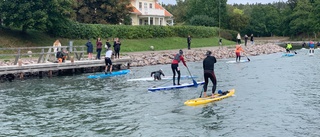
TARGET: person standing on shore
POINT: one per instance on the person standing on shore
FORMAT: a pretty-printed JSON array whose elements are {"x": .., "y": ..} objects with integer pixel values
[
  {"x": 238, "y": 39},
  {"x": 245, "y": 40},
  {"x": 208, "y": 69},
  {"x": 175, "y": 66},
  {"x": 189, "y": 41},
  {"x": 108, "y": 45},
  {"x": 108, "y": 61},
  {"x": 56, "y": 45},
  {"x": 116, "y": 46},
  {"x": 99, "y": 48},
  {"x": 89, "y": 49},
  {"x": 251, "y": 39}
]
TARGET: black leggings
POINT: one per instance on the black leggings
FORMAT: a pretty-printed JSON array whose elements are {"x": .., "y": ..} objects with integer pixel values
[
  {"x": 117, "y": 52},
  {"x": 209, "y": 74},
  {"x": 175, "y": 68}
]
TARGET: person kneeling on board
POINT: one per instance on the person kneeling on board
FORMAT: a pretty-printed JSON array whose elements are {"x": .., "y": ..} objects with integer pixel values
[
  {"x": 175, "y": 66},
  {"x": 157, "y": 74},
  {"x": 208, "y": 67},
  {"x": 289, "y": 47},
  {"x": 108, "y": 60}
]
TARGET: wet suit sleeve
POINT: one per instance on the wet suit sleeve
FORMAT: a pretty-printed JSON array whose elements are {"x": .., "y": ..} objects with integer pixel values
[
  {"x": 162, "y": 74},
  {"x": 152, "y": 73}
]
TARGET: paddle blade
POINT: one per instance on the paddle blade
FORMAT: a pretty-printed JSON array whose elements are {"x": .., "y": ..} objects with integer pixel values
[
  {"x": 195, "y": 83},
  {"x": 248, "y": 59}
]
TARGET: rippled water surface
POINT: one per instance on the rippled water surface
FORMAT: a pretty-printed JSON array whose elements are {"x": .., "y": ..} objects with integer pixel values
[{"x": 275, "y": 96}]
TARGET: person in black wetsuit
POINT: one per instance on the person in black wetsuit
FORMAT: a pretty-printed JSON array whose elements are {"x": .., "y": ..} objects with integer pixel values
[
  {"x": 208, "y": 67},
  {"x": 157, "y": 74}
]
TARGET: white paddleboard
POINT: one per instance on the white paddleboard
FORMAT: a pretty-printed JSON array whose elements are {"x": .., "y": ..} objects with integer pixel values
[
  {"x": 241, "y": 61},
  {"x": 162, "y": 78}
]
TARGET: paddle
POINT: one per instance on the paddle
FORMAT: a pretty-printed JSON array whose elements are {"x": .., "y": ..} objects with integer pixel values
[
  {"x": 247, "y": 58},
  {"x": 194, "y": 82},
  {"x": 201, "y": 92}
]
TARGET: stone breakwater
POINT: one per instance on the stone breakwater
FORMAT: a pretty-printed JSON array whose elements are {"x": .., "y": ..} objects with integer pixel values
[{"x": 193, "y": 55}]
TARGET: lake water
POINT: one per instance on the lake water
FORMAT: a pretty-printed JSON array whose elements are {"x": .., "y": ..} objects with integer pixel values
[{"x": 275, "y": 96}]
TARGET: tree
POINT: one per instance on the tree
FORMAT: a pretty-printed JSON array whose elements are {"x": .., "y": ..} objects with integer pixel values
[
  {"x": 102, "y": 11},
  {"x": 210, "y": 8},
  {"x": 301, "y": 23},
  {"x": 36, "y": 14},
  {"x": 237, "y": 20}
]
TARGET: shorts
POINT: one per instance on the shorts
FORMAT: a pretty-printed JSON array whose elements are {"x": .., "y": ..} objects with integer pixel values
[{"x": 108, "y": 61}]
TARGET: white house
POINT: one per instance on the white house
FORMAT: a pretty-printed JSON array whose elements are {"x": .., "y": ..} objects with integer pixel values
[{"x": 150, "y": 12}]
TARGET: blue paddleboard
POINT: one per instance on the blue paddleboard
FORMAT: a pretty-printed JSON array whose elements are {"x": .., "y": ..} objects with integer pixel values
[
  {"x": 174, "y": 86},
  {"x": 287, "y": 54},
  {"x": 116, "y": 73}
]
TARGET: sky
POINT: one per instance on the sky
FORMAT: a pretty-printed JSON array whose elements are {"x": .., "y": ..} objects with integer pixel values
[{"x": 230, "y": 1}]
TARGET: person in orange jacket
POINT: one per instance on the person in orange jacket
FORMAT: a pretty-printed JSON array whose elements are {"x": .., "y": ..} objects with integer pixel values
[{"x": 238, "y": 52}]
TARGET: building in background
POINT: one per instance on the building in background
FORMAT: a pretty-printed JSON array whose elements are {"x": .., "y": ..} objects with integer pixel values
[{"x": 150, "y": 12}]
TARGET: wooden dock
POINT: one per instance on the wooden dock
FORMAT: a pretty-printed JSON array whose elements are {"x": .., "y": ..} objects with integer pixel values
[
  {"x": 8, "y": 73},
  {"x": 50, "y": 69}
]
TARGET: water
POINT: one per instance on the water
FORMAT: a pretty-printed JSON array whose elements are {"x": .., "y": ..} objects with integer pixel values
[{"x": 275, "y": 96}]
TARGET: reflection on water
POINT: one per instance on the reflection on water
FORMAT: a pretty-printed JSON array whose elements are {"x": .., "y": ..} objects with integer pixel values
[{"x": 275, "y": 96}]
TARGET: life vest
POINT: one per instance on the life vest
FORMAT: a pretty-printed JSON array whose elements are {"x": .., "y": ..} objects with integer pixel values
[{"x": 177, "y": 57}]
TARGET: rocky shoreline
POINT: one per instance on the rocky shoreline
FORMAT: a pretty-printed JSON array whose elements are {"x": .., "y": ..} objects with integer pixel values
[
  {"x": 165, "y": 57},
  {"x": 193, "y": 55}
]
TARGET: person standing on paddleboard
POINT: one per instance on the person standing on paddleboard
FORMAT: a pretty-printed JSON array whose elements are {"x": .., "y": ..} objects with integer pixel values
[
  {"x": 238, "y": 52},
  {"x": 108, "y": 61},
  {"x": 311, "y": 46},
  {"x": 157, "y": 74},
  {"x": 208, "y": 67},
  {"x": 175, "y": 66}
]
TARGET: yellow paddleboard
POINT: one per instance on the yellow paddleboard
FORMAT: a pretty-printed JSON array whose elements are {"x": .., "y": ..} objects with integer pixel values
[{"x": 199, "y": 101}]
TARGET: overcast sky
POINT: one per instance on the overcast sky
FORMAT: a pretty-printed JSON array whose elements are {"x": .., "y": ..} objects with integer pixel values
[{"x": 230, "y": 1}]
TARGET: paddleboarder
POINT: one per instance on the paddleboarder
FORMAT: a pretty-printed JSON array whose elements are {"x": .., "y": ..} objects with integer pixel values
[
  {"x": 289, "y": 47},
  {"x": 311, "y": 47},
  {"x": 108, "y": 61},
  {"x": 208, "y": 69},
  {"x": 238, "y": 52},
  {"x": 157, "y": 74},
  {"x": 175, "y": 66}
]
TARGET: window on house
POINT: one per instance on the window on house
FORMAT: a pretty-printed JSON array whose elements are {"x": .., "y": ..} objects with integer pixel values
[
  {"x": 150, "y": 5},
  {"x": 140, "y": 21},
  {"x": 145, "y": 5},
  {"x": 140, "y": 5}
]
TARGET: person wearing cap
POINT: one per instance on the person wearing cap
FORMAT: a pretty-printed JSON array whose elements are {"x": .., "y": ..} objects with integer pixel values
[
  {"x": 157, "y": 74},
  {"x": 175, "y": 66},
  {"x": 208, "y": 69},
  {"x": 108, "y": 60}
]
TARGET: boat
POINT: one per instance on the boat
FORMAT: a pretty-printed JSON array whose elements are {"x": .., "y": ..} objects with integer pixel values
[
  {"x": 241, "y": 61},
  {"x": 162, "y": 78},
  {"x": 103, "y": 75},
  {"x": 201, "y": 101},
  {"x": 185, "y": 85}
]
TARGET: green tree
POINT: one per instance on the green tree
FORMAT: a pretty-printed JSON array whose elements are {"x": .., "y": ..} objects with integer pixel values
[
  {"x": 36, "y": 14},
  {"x": 212, "y": 8},
  {"x": 300, "y": 22},
  {"x": 237, "y": 19},
  {"x": 102, "y": 11}
]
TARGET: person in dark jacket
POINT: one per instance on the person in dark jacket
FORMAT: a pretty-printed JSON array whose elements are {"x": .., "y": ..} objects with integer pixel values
[
  {"x": 99, "y": 48},
  {"x": 189, "y": 41},
  {"x": 116, "y": 46},
  {"x": 157, "y": 74},
  {"x": 208, "y": 68},
  {"x": 89, "y": 49}
]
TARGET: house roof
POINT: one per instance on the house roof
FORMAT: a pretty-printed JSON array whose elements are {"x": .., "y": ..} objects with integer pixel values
[
  {"x": 135, "y": 10},
  {"x": 166, "y": 13}
]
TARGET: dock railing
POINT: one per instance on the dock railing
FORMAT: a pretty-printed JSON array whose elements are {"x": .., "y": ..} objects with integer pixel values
[{"x": 44, "y": 54}]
